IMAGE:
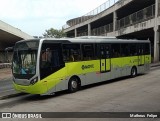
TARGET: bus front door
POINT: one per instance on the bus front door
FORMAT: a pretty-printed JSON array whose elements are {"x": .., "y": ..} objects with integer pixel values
[
  {"x": 105, "y": 61},
  {"x": 141, "y": 56}
]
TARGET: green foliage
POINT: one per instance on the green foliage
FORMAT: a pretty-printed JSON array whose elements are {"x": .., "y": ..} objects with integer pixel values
[{"x": 54, "y": 33}]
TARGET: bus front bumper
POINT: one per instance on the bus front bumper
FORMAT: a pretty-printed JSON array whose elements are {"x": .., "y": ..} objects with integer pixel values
[{"x": 38, "y": 88}]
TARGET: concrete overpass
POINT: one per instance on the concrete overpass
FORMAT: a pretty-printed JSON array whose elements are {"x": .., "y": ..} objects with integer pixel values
[
  {"x": 8, "y": 36},
  {"x": 125, "y": 19}
]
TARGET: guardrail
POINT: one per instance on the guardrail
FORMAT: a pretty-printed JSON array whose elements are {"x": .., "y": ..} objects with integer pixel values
[
  {"x": 91, "y": 14},
  {"x": 5, "y": 65},
  {"x": 102, "y": 30},
  {"x": 98, "y": 31},
  {"x": 139, "y": 16}
]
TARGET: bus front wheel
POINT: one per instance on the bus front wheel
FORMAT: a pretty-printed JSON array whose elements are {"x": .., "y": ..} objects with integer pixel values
[
  {"x": 73, "y": 84},
  {"x": 133, "y": 72}
]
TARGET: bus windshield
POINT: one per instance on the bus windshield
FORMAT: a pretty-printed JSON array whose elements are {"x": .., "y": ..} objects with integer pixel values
[{"x": 24, "y": 59}]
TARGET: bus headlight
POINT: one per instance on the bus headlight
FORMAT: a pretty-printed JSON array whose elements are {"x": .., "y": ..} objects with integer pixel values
[{"x": 33, "y": 81}]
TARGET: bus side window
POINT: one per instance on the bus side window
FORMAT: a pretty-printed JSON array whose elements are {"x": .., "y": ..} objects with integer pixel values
[
  {"x": 55, "y": 58},
  {"x": 71, "y": 52},
  {"x": 115, "y": 50},
  {"x": 147, "y": 49},
  {"x": 133, "y": 49},
  {"x": 46, "y": 58},
  {"x": 124, "y": 50},
  {"x": 88, "y": 51}
]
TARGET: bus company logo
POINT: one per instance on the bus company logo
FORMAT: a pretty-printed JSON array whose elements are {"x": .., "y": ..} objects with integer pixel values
[{"x": 87, "y": 66}]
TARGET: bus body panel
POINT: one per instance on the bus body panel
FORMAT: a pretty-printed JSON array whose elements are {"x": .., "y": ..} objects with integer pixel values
[
  {"x": 89, "y": 72},
  {"x": 59, "y": 80},
  {"x": 39, "y": 88}
]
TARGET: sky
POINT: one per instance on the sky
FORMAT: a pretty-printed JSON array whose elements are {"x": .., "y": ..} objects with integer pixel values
[{"x": 35, "y": 16}]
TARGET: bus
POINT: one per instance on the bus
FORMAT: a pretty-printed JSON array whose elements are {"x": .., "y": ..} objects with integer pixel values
[{"x": 45, "y": 66}]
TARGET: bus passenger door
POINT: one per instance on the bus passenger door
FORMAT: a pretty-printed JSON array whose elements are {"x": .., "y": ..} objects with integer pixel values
[
  {"x": 105, "y": 61},
  {"x": 141, "y": 58},
  {"x": 51, "y": 59}
]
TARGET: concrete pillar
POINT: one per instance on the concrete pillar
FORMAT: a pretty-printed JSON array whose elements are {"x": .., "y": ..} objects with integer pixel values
[
  {"x": 75, "y": 32},
  {"x": 156, "y": 44},
  {"x": 158, "y": 7},
  {"x": 89, "y": 29},
  {"x": 156, "y": 34},
  {"x": 114, "y": 20}
]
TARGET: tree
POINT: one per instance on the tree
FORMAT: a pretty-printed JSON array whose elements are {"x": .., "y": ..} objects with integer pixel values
[{"x": 50, "y": 33}]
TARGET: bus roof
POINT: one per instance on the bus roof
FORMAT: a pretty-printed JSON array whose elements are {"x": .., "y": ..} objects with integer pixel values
[{"x": 90, "y": 39}]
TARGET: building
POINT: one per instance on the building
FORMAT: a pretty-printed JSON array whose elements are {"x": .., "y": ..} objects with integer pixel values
[
  {"x": 129, "y": 19},
  {"x": 9, "y": 35}
]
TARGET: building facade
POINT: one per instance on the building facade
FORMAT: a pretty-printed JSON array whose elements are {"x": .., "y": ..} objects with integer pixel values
[{"x": 131, "y": 19}]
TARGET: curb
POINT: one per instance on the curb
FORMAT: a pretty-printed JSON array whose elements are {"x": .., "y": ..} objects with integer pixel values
[{"x": 155, "y": 65}]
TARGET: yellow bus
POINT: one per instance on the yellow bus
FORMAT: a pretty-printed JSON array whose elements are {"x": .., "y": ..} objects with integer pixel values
[{"x": 45, "y": 66}]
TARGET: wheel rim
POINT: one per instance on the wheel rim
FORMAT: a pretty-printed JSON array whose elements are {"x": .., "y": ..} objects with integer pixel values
[{"x": 74, "y": 84}]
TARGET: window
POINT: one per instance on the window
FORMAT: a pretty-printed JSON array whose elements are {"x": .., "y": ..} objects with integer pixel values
[
  {"x": 51, "y": 59},
  {"x": 124, "y": 50},
  {"x": 71, "y": 52},
  {"x": 51, "y": 55},
  {"x": 88, "y": 51},
  {"x": 115, "y": 50},
  {"x": 147, "y": 49},
  {"x": 133, "y": 49},
  {"x": 140, "y": 48},
  {"x": 104, "y": 51}
]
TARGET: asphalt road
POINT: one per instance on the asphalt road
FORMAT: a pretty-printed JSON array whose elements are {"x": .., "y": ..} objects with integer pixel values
[
  {"x": 140, "y": 94},
  {"x": 6, "y": 87}
]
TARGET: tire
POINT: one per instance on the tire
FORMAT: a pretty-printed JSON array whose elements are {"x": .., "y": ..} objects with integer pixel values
[
  {"x": 73, "y": 84},
  {"x": 133, "y": 72}
]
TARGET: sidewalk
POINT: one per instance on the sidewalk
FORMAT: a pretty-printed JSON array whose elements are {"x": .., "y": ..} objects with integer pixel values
[{"x": 5, "y": 73}]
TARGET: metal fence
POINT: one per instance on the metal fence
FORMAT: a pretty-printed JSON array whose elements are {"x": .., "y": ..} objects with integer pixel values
[
  {"x": 102, "y": 30},
  {"x": 83, "y": 34},
  {"x": 5, "y": 65},
  {"x": 142, "y": 15},
  {"x": 99, "y": 31},
  {"x": 91, "y": 14}
]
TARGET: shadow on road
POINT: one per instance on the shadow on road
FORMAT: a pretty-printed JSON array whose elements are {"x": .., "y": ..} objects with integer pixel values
[
  {"x": 61, "y": 93},
  {"x": 22, "y": 98},
  {"x": 12, "y": 96}
]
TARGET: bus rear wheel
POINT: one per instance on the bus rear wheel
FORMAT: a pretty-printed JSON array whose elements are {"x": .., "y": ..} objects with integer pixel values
[
  {"x": 133, "y": 72},
  {"x": 73, "y": 85}
]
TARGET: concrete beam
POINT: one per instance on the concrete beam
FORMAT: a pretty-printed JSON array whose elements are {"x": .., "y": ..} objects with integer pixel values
[
  {"x": 15, "y": 31},
  {"x": 133, "y": 28}
]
